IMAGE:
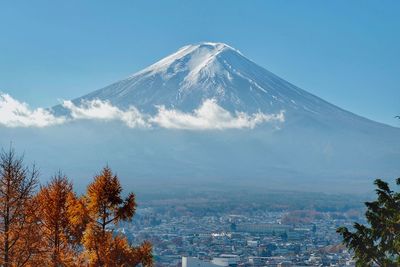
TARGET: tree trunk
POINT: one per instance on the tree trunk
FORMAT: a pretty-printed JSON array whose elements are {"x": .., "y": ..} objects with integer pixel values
[{"x": 7, "y": 230}]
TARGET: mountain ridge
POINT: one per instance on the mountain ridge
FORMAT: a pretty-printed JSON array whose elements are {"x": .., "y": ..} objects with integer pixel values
[
  {"x": 318, "y": 146},
  {"x": 195, "y": 73}
]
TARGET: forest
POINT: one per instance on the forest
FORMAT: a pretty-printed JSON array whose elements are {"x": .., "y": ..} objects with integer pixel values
[{"x": 51, "y": 225}]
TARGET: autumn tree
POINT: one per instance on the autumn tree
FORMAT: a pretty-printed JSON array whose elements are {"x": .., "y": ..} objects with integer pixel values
[
  {"x": 378, "y": 242},
  {"x": 55, "y": 227},
  {"x": 106, "y": 208},
  {"x": 17, "y": 218},
  {"x": 78, "y": 219},
  {"x": 62, "y": 227},
  {"x": 29, "y": 250}
]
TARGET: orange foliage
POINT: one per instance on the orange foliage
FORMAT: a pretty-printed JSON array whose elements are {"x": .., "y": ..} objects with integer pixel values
[
  {"x": 55, "y": 227},
  {"x": 61, "y": 229},
  {"x": 17, "y": 214},
  {"x": 106, "y": 208}
]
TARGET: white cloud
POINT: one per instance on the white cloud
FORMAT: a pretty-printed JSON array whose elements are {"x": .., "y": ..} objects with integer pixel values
[
  {"x": 103, "y": 110},
  {"x": 18, "y": 114},
  {"x": 211, "y": 116}
]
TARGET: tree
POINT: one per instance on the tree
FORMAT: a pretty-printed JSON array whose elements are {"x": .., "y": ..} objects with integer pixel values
[
  {"x": 60, "y": 236},
  {"x": 17, "y": 217},
  {"x": 379, "y": 241},
  {"x": 55, "y": 227},
  {"x": 106, "y": 208}
]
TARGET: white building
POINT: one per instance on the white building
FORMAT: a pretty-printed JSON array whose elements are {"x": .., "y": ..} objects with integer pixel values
[
  {"x": 222, "y": 260},
  {"x": 195, "y": 262},
  {"x": 226, "y": 260}
]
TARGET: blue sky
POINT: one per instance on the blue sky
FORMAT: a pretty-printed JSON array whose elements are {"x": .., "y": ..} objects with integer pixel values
[{"x": 346, "y": 52}]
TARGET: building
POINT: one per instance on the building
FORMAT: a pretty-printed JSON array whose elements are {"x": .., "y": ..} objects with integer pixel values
[
  {"x": 265, "y": 228},
  {"x": 195, "y": 262},
  {"x": 285, "y": 264},
  {"x": 226, "y": 260}
]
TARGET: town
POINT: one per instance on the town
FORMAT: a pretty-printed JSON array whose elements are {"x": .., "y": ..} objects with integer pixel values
[{"x": 249, "y": 237}]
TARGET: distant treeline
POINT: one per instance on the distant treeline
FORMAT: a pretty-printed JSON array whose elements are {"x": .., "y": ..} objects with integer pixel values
[
  {"x": 50, "y": 225},
  {"x": 205, "y": 203}
]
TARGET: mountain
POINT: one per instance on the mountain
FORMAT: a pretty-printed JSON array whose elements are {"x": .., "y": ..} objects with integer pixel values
[
  {"x": 318, "y": 146},
  {"x": 195, "y": 73},
  {"x": 203, "y": 71}
]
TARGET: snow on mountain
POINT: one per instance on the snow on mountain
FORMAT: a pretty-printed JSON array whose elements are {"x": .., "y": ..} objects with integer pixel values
[
  {"x": 203, "y": 71},
  {"x": 314, "y": 145},
  {"x": 196, "y": 73}
]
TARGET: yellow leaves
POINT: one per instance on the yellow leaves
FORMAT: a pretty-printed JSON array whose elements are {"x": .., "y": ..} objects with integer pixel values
[
  {"x": 18, "y": 221},
  {"x": 106, "y": 208},
  {"x": 143, "y": 254},
  {"x": 105, "y": 190},
  {"x": 113, "y": 250},
  {"x": 104, "y": 201},
  {"x": 126, "y": 211},
  {"x": 55, "y": 227},
  {"x": 53, "y": 204},
  {"x": 77, "y": 216},
  {"x": 62, "y": 223}
]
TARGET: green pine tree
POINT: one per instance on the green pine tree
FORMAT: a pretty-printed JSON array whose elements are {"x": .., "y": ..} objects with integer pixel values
[{"x": 378, "y": 242}]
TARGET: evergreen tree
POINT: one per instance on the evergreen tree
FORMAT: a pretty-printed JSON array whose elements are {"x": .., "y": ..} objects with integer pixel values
[{"x": 378, "y": 242}]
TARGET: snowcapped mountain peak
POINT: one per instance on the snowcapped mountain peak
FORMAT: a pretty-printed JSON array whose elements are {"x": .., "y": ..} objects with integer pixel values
[
  {"x": 207, "y": 70},
  {"x": 190, "y": 58},
  {"x": 211, "y": 86},
  {"x": 211, "y": 46}
]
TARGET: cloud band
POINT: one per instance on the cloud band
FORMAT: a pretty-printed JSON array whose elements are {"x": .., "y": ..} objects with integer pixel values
[{"x": 208, "y": 116}]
